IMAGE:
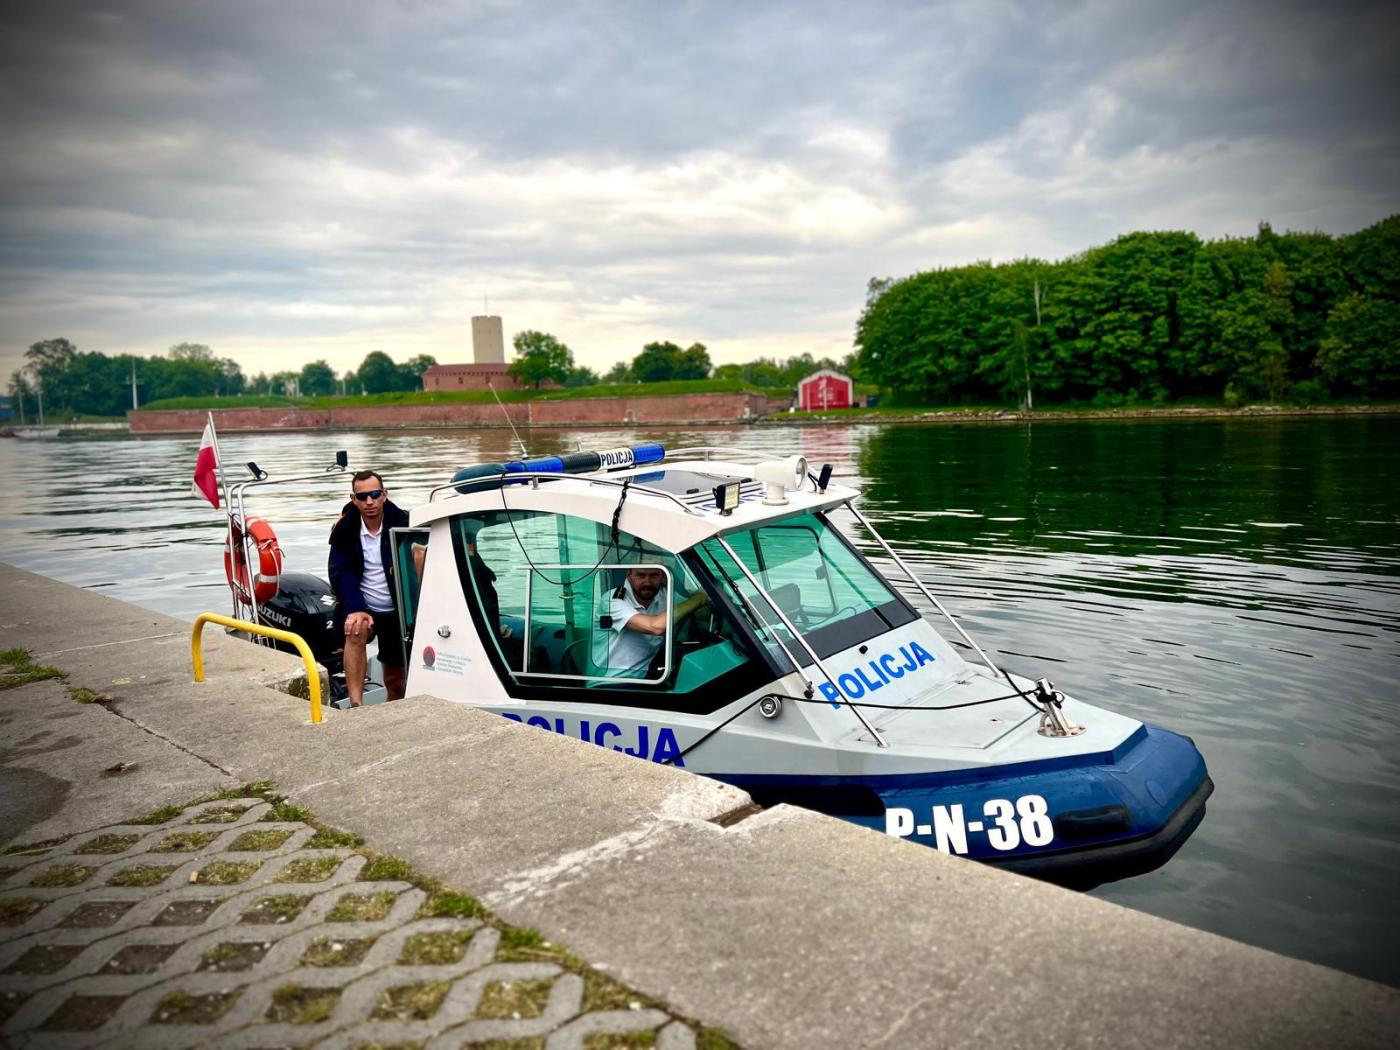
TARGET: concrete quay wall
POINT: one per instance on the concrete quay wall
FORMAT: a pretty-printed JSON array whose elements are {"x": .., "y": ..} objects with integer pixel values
[
  {"x": 575, "y": 412},
  {"x": 787, "y": 928}
]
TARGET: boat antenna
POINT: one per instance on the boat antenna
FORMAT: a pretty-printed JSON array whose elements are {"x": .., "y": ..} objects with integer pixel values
[{"x": 492, "y": 387}]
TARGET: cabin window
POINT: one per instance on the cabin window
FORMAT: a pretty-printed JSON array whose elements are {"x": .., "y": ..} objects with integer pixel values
[
  {"x": 565, "y": 607},
  {"x": 827, "y": 590}
]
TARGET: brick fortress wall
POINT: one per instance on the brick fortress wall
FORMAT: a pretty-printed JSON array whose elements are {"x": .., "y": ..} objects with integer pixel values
[{"x": 580, "y": 412}]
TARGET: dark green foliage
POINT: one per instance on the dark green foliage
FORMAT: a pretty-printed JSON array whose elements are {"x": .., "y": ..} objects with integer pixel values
[
  {"x": 541, "y": 358},
  {"x": 378, "y": 374},
  {"x": 317, "y": 379},
  {"x": 656, "y": 363},
  {"x": 77, "y": 383},
  {"x": 1149, "y": 318}
]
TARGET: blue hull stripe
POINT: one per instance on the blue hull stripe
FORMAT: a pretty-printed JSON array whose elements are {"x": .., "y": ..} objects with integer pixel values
[{"x": 1097, "y": 803}]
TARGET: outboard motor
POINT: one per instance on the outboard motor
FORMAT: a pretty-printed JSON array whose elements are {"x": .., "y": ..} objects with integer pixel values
[{"x": 304, "y": 605}]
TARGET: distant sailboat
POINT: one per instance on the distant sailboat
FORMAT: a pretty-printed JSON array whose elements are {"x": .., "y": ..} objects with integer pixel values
[{"x": 41, "y": 431}]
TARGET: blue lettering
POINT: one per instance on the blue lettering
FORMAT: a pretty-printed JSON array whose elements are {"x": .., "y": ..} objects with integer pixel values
[
  {"x": 539, "y": 720},
  {"x": 559, "y": 726},
  {"x": 888, "y": 665},
  {"x": 921, "y": 653},
  {"x": 829, "y": 691},
  {"x": 875, "y": 666},
  {"x": 909, "y": 664},
  {"x": 851, "y": 685},
  {"x": 872, "y": 686},
  {"x": 667, "y": 748},
  {"x": 641, "y": 750},
  {"x": 583, "y": 732},
  {"x": 513, "y": 717},
  {"x": 606, "y": 729}
]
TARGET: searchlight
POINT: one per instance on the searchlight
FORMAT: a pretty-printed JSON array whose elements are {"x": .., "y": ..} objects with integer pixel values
[{"x": 778, "y": 476}]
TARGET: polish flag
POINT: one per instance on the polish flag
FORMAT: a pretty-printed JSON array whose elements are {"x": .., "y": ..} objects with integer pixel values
[{"x": 206, "y": 468}]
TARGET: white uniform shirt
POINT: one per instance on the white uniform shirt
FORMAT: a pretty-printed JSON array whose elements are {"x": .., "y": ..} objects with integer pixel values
[
  {"x": 373, "y": 584},
  {"x": 629, "y": 653}
]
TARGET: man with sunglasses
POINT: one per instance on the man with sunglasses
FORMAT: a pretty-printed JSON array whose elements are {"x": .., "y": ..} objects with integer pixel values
[{"x": 362, "y": 576}]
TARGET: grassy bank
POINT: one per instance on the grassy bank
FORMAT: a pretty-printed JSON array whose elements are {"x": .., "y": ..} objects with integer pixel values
[
  {"x": 421, "y": 397},
  {"x": 962, "y": 413}
]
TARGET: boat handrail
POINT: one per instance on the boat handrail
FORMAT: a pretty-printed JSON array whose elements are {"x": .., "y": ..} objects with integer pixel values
[
  {"x": 535, "y": 477},
  {"x": 850, "y": 505},
  {"x": 235, "y": 495}
]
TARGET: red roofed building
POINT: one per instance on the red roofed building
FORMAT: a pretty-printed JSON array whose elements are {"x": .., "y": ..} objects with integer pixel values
[
  {"x": 825, "y": 389},
  {"x": 488, "y": 371},
  {"x": 471, "y": 377}
]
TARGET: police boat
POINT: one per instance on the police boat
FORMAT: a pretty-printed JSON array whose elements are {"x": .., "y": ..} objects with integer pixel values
[{"x": 772, "y": 655}]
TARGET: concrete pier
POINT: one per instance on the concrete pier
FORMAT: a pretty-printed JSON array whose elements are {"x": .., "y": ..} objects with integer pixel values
[{"x": 783, "y": 929}]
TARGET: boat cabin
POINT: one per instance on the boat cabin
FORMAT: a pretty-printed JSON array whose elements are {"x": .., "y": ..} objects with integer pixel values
[{"x": 530, "y": 579}]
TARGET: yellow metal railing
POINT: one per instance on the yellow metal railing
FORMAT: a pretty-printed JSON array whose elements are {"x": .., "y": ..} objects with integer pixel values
[{"x": 313, "y": 676}]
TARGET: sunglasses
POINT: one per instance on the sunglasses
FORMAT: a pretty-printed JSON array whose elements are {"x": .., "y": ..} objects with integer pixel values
[{"x": 371, "y": 494}]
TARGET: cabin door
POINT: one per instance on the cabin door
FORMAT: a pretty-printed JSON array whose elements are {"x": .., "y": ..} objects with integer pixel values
[{"x": 409, "y": 548}]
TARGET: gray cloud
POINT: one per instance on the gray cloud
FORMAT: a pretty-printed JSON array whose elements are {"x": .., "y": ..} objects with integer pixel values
[{"x": 287, "y": 182}]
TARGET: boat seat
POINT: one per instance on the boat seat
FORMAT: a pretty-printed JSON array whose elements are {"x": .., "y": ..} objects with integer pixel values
[
  {"x": 576, "y": 658},
  {"x": 789, "y": 599}
]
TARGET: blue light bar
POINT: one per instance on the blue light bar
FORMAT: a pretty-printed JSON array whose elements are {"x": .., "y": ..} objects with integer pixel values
[
  {"x": 540, "y": 465},
  {"x": 631, "y": 456},
  {"x": 621, "y": 458},
  {"x": 478, "y": 476}
]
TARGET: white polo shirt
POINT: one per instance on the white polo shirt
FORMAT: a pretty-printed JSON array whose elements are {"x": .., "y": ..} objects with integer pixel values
[
  {"x": 629, "y": 653},
  {"x": 374, "y": 585}
]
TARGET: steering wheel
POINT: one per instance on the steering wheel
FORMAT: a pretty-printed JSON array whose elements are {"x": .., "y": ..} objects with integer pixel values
[{"x": 698, "y": 636}]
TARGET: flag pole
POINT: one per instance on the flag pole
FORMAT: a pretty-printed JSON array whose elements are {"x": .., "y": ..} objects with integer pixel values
[
  {"x": 228, "y": 511},
  {"x": 219, "y": 462}
]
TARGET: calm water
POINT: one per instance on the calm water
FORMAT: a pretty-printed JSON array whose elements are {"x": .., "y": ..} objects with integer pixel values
[{"x": 1238, "y": 581}]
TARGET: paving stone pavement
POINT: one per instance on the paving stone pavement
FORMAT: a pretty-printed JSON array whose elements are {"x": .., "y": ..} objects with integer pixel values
[{"x": 226, "y": 927}]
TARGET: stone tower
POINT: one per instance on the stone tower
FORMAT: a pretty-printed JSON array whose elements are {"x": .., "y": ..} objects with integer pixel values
[{"x": 488, "y": 342}]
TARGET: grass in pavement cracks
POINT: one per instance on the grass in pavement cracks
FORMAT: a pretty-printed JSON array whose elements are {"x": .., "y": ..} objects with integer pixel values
[
  {"x": 294, "y": 1004},
  {"x": 161, "y": 815},
  {"x": 142, "y": 875},
  {"x": 62, "y": 875},
  {"x": 258, "y": 840},
  {"x": 16, "y": 669},
  {"x": 184, "y": 842},
  {"x": 108, "y": 844},
  {"x": 301, "y": 1005}
]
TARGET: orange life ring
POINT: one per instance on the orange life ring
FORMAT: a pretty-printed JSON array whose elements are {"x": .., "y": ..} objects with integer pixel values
[{"x": 264, "y": 584}]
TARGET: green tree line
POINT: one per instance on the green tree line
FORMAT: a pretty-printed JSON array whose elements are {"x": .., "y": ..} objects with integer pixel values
[
  {"x": 87, "y": 383},
  {"x": 543, "y": 358},
  {"x": 1152, "y": 317}
]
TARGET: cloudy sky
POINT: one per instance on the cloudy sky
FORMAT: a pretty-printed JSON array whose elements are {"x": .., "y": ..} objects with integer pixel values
[{"x": 288, "y": 180}]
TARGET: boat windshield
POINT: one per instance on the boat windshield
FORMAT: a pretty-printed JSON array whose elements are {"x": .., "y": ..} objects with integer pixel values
[{"x": 820, "y": 582}]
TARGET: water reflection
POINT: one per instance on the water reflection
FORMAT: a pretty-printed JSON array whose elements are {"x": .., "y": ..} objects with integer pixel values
[{"x": 1235, "y": 580}]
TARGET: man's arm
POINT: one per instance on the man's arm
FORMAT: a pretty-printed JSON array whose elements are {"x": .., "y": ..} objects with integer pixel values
[
  {"x": 655, "y": 623},
  {"x": 345, "y": 580}
]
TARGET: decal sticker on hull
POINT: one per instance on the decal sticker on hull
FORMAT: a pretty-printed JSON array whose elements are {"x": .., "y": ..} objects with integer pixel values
[
  {"x": 444, "y": 663},
  {"x": 876, "y": 673},
  {"x": 1007, "y": 824},
  {"x": 653, "y": 743}
]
